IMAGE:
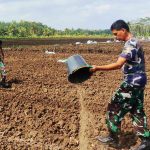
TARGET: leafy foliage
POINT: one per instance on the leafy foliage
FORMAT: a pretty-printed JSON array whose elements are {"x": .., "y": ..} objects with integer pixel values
[
  {"x": 27, "y": 29},
  {"x": 34, "y": 29},
  {"x": 141, "y": 27}
]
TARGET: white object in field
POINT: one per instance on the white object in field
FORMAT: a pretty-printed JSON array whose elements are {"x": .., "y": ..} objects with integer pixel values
[
  {"x": 117, "y": 41},
  {"x": 47, "y": 52},
  {"x": 91, "y": 42},
  {"x": 78, "y": 43},
  {"x": 143, "y": 38},
  {"x": 62, "y": 60},
  {"x": 108, "y": 41}
]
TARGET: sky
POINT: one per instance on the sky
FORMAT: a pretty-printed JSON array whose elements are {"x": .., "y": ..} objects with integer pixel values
[{"x": 85, "y": 14}]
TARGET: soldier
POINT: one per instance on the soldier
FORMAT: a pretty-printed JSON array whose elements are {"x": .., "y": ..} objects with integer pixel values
[
  {"x": 3, "y": 83},
  {"x": 130, "y": 95}
]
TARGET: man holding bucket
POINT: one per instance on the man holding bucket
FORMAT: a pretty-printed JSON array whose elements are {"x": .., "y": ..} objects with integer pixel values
[{"x": 130, "y": 95}]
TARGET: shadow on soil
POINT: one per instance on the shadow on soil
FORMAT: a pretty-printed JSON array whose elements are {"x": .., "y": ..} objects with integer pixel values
[
  {"x": 15, "y": 81},
  {"x": 127, "y": 139},
  {"x": 8, "y": 84}
]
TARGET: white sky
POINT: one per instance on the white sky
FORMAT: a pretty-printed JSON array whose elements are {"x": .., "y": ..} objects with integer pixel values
[{"x": 86, "y": 14}]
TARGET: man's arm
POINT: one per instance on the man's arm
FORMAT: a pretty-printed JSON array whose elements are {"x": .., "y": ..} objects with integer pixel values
[{"x": 117, "y": 65}]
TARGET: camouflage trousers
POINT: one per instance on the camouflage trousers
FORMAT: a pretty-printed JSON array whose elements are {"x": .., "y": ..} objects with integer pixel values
[
  {"x": 2, "y": 69},
  {"x": 127, "y": 99}
]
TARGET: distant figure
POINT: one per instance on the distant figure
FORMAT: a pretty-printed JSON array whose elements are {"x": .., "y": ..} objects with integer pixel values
[
  {"x": 129, "y": 97},
  {"x": 3, "y": 83}
]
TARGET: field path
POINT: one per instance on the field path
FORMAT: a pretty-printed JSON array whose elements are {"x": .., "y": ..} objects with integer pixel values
[
  {"x": 87, "y": 124},
  {"x": 84, "y": 116},
  {"x": 85, "y": 119}
]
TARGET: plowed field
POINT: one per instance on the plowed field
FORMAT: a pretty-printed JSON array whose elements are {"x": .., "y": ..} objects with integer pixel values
[{"x": 43, "y": 111}]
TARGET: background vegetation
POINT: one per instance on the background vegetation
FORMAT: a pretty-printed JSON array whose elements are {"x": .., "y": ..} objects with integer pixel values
[
  {"x": 26, "y": 29},
  {"x": 141, "y": 27}
]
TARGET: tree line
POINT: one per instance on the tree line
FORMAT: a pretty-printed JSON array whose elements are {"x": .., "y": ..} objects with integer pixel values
[
  {"x": 141, "y": 27},
  {"x": 36, "y": 29},
  {"x": 27, "y": 29}
]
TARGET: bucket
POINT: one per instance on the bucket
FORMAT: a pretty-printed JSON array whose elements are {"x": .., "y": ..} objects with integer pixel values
[{"x": 78, "y": 69}]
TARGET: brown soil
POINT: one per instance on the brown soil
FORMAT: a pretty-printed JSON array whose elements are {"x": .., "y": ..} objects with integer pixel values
[
  {"x": 44, "y": 111},
  {"x": 47, "y": 41}
]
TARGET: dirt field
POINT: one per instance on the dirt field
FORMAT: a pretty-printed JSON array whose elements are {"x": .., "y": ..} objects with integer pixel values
[{"x": 43, "y": 111}]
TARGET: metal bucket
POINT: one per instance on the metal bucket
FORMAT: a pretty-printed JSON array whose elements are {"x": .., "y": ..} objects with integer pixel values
[{"x": 78, "y": 69}]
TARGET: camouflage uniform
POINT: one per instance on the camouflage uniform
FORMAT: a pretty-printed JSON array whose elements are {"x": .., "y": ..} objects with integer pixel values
[
  {"x": 2, "y": 69},
  {"x": 2, "y": 65},
  {"x": 130, "y": 95}
]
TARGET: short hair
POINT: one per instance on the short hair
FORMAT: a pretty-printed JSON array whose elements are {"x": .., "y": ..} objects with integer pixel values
[{"x": 119, "y": 24}]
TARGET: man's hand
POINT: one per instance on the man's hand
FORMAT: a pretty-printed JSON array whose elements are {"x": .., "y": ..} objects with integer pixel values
[{"x": 93, "y": 69}]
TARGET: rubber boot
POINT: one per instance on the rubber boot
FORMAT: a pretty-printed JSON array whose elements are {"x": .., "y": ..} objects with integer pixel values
[
  {"x": 4, "y": 84},
  {"x": 112, "y": 139}
]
